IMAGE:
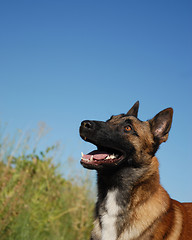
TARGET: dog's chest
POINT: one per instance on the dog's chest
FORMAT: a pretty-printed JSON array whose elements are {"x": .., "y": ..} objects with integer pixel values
[{"x": 109, "y": 216}]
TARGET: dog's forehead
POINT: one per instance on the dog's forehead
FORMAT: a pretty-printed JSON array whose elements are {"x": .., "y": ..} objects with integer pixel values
[{"x": 117, "y": 119}]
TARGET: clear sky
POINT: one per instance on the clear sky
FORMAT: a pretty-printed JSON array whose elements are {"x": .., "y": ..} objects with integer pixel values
[{"x": 65, "y": 61}]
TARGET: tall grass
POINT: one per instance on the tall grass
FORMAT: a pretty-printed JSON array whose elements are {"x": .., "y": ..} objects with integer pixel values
[{"x": 36, "y": 202}]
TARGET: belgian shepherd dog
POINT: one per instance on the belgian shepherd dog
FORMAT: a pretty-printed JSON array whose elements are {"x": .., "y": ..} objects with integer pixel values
[{"x": 132, "y": 204}]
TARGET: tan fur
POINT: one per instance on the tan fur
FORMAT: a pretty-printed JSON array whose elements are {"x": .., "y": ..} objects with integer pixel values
[
  {"x": 96, "y": 233},
  {"x": 145, "y": 214}
]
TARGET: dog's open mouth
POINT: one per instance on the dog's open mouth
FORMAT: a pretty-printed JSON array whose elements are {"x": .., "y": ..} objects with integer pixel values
[{"x": 102, "y": 156}]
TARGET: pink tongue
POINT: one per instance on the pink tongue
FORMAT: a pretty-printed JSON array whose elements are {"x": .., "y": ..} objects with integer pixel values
[{"x": 97, "y": 155}]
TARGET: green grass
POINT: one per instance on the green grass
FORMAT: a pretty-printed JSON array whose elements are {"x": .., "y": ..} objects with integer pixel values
[{"x": 37, "y": 203}]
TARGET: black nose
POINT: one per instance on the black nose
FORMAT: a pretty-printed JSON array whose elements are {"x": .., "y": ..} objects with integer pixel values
[{"x": 89, "y": 125}]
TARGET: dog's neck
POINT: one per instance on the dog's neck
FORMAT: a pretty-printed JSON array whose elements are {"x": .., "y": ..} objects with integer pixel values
[
  {"x": 120, "y": 192},
  {"x": 127, "y": 179},
  {"x": 127, "y": 191}
]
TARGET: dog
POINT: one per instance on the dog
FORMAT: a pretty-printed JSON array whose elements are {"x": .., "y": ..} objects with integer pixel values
[{"x": 132, "y": 204}]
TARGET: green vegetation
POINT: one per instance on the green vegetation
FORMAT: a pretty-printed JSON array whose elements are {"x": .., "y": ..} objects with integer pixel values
[{"x": 37, "y": 203}]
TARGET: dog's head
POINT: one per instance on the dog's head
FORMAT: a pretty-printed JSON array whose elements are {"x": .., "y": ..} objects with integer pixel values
[{"x": 124, "y": 139}]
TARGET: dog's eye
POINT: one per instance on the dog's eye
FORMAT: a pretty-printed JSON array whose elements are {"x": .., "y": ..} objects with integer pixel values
[{"x": 128, "y": 128}]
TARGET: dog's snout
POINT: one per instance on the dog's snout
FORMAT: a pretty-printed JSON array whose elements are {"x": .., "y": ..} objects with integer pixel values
[
  {"x": 89, "y": 125},
  {"x": 89, "y": 130}
]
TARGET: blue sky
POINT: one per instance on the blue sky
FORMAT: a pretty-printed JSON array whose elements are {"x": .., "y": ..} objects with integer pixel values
[{"x": 65, "y": 61}]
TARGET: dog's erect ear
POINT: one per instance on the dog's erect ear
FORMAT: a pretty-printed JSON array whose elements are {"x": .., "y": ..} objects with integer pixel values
[
  {"x": 134, "y": 110},
  {"x": 161, "y": 124}
]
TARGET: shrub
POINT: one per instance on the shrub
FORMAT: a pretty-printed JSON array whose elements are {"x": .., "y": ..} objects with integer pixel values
[{"x": 37, "y": 203}]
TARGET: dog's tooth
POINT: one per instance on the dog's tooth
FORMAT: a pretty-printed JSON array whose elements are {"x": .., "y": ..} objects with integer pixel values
[
  {"x": 82, "y": 154},
  {"x": 85, "y": 159},
  {"x": 91, "y": 158},
  {"x": 112, "y": 156},
  {"x": 109, "y": 157}
]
